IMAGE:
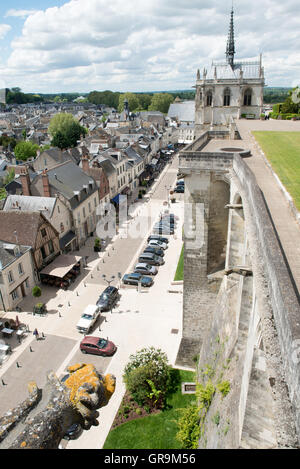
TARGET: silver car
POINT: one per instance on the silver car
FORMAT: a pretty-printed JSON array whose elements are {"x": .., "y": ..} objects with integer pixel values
[{"x": 146, "y": 269}]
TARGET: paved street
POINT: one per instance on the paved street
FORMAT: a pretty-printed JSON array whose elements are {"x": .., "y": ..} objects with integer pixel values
[{"x": 150, "y": 317}]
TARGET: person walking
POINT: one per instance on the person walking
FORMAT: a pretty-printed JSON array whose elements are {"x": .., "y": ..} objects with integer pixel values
[{"x": 36, "y": 334}]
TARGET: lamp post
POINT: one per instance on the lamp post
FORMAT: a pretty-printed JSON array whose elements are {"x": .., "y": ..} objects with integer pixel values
[{"x": 108, "y": 281}]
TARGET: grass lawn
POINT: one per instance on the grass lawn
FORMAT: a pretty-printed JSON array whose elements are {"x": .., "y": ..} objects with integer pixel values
[
  {"x": 179, "y": 270},
  {"x": 283, "y": 152},
  {"x": 156, "y": 431}
]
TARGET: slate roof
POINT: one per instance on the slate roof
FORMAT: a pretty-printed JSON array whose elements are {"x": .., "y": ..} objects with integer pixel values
[
  {"x": 185, "y": 111},
  {"x": 68, "y": 179},
  {"x": 106, "y": 165},
  {"x": 7, "y": 255},
  {"x": 250, "y": 69},
  {"x": 29, "y": 203}
]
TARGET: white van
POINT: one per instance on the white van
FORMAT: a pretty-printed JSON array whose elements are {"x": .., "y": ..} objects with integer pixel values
[{"x": 88, "y": 318}]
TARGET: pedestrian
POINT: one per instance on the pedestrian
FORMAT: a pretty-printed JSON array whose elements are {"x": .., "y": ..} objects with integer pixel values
[{"x": 35, "y": 332}]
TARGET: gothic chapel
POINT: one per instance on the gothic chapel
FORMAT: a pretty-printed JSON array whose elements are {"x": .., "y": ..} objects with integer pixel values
[{"x": 229, "y": 91}]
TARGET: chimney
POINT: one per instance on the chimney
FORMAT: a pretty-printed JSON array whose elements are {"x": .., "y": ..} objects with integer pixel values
[
  {"x": 85, "y": 163},
  {"x": 46, "y": 186},
  {"x": 25, "y": 181}
]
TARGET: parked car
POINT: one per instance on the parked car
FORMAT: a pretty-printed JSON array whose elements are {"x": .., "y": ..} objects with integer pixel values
[
  {"x": 160, "y": 228},
  {"x": 160, "y": 238},
  {"x": 170, "y": 216},
  {"x": 88, "y": 319},
  {"x": 97, "y": 346},
  {"x": 135, "y": 278},
  {"x": 157, "y": 244},
  {"x": 150, "y": 258},
  {"x": 180, "y": 182},
  {"x": 179, "y": 189},
  {"x": 108, "y": 298},
  {"x": 163, "y": 230},
  {"x": 146, "y": 269},
  {"x": 73, "y": 432},
  {"x": 167, "y": 220},
  {"x": 155, "y": 250}
]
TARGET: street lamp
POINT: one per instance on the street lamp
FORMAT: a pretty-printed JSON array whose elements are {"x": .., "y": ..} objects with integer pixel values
[{"x": 109, "y": 281}]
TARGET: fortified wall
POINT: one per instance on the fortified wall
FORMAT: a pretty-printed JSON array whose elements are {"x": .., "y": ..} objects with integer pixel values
[{"x": 241, "y": 312}]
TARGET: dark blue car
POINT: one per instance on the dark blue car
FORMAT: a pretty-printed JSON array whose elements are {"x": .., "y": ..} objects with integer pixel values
[{"x": 135, "y": 278}]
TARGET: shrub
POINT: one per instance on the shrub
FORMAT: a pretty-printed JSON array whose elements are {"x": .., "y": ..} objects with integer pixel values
[
  {"x": 205, "y": 394},
  {"x": 216, "y": 418},
  {"x": 136, "y": 384},
  {"x": 36, "y": 291},
  {"x": 223, "y": 387},
  {"x": 147, "y": 376},
  {"x": 189, "y": 427}
]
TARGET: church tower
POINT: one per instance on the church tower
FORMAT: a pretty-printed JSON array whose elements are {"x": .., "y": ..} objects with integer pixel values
[{"x": 230, "y": 90}]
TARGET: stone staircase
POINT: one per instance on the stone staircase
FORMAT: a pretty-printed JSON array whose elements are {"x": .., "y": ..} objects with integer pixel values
[{"x": 259, "y": 426}]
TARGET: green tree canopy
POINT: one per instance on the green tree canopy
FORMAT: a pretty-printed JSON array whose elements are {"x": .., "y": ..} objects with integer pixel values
[
  {"x": 24, "y": 150},
  {"x": 109, "y": 98},
  {"x": 60, "y": 123},
  {"x": 290, "y": 105},
  {"x": 65, "y": 130},
  {"x": 132, "y": 99},
  {"x": 161, "y": 102}
]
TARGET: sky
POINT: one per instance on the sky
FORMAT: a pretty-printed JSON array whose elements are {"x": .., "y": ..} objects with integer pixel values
[{"x": 51, "y": 46}]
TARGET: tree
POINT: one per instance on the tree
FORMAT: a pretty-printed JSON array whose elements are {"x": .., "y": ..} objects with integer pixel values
[
  {"x": 290, "y": 105},
  {"x": 65, "y": 130},
  {"x": 25, "y": 150},
  {"x": 60, "y": 122},
  {"x": 60, "y": 141},
  {"x": 144, "y": 101},
  {"x": 161, "y": 102},
  {"x": 132, "y": 99},
  {"x": 9, "y": 177}
]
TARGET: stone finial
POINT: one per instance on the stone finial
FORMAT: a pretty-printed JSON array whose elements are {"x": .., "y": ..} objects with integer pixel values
[
  {"x": 76, "y": 400},
  {"x": 198, "y": 74}
]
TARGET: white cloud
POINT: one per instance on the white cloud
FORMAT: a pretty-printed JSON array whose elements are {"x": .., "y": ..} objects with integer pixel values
[
  {"x": 153, "y": 45},
  {"x": 19, "y": 13},
  {"x": 4, "y": 28}
]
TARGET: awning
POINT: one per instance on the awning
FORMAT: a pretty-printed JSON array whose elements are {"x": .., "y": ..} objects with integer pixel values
[
  {"x": 116, "y": 199},
  {"x": 126, "y": 190},
  {"x": 67, "y": 239},
  {"x": 61, "y": 265}
]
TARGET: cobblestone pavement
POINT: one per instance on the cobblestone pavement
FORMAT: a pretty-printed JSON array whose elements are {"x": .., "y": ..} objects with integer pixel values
[{"x": 150, "y": 317}]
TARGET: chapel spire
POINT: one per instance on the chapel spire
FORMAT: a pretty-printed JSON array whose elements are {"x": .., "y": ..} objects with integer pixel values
[{"x": 230, "y": 49}]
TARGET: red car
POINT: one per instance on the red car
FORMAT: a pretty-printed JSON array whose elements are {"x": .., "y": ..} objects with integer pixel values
[{"x": 97, "y": 346}]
